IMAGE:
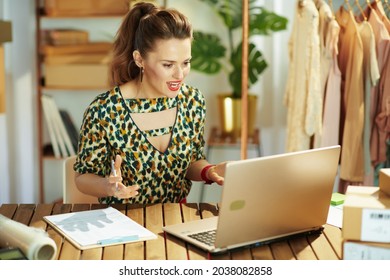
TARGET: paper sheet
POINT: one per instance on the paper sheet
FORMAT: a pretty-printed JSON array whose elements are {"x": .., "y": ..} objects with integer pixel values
[
  {"x": 335, "y": 216},
  {"x": 100, "y": 227}
]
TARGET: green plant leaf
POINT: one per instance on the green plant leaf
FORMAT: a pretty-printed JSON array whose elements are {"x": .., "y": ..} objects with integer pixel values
[
  {"x": 264, "y": 22},
  {"x": 207, "y": 50},
  {"x": 230, "y": 11},
  {"x": 256, "y": 66}
]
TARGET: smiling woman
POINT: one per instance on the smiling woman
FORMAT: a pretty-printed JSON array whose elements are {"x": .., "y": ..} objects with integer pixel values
[
  {"x": 163, "y": 69},
  {"x": 150, "y": 123}
]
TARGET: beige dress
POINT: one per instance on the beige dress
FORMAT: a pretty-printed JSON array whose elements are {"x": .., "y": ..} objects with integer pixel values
[
  {"x": 325, "y": 18},
  {"x": 303, "y": 97}
]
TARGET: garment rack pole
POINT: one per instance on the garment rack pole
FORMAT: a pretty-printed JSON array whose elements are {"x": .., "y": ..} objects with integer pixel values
[{"x": 244, "y": 77}]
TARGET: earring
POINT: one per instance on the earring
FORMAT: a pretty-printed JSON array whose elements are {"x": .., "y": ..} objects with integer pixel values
[{"x": 141, "y": 73}]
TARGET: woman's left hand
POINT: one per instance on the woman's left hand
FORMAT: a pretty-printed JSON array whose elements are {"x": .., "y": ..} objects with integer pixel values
[{"x": 217, "y": 173}]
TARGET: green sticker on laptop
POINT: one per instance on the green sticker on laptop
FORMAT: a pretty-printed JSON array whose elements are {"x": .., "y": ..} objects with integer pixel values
[
  {"x": 337, "y": 198},
  {"x": 237, "y": 205}
]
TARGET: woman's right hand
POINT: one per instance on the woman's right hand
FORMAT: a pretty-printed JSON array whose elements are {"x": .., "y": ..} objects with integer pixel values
[{"x": 118, "y": 189}]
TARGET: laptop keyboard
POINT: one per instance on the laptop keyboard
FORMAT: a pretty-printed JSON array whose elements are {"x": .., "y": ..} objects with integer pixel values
[{"x": 207, "y": 237}]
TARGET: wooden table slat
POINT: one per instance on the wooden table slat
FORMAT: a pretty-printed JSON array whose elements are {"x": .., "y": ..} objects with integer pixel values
[
  {"x": 135, "y": 251},
  {"x": 24, "y": 214},
  {"x": 262, "y": 253},
  {"x": 8, "y": 210},
  {"x": 242, "y": 254},
  {"x": 114, "y": 252},
  {"x": 40, "y": 211},
  {"x": 81, "y": 207},
  {"x": 190, "y": 212},
  {"x": 335, "y": 238},
  {"x": 281, "y": 251},
  {"x": 92, "y": 254},
  {"x": 176, "y": 248},
  {"x": 155, "y": 249},
  {"x": 302, "y": 249},
  {"x": 69, "y": 252},
  {"x": 321, "y": 247}
]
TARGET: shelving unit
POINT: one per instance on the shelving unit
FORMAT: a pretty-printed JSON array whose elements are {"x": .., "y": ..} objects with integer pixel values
[{"x": 74, "y": 99}]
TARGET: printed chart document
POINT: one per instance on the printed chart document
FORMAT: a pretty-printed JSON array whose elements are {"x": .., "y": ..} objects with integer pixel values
[{"x": 97, "y": 228}]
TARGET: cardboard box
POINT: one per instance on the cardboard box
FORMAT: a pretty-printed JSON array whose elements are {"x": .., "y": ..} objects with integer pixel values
[
  {"x": 86, "y": 7},
  {"x": 79, "y": 70},
  {"x": 366, "y": 214},
  {"x": 384, "y": 180},
  {"x": 77, "y": 76},
  {"x": 360, "y": 250},
  {"x": 5, "y": 31}
]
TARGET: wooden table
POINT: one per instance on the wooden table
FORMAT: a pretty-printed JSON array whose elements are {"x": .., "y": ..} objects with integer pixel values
[{"x": 325, "y": 246}]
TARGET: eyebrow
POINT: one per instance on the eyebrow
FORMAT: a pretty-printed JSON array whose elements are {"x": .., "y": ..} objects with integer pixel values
[{"x": 173, "y": 61}]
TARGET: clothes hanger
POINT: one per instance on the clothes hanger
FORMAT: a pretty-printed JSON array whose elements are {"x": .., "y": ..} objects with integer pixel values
[
  {"x": 330, "y": 2},
  {"x": 369, "y": 4},
  {"x": 348, "y": 5},
  {"x": 387, "y": 8},
  {"x": 361, "y": 10},
  {"x": 302, "y": 3}
]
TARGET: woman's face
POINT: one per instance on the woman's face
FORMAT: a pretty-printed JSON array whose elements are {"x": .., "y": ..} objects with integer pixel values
[{"x": 166, "y": 67}]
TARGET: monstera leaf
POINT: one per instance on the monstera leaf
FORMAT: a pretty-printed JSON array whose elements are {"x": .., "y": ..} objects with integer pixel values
[
  {"x": 264, "y": 22},
  {"x": 256, "y": 66},
  {"x": 207, "y": 51}
]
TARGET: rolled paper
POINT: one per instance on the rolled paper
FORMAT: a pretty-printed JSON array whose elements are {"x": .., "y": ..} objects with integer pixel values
[{"x": 35, "y": 243}]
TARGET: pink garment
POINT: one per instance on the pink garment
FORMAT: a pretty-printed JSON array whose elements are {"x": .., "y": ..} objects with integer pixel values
[
  {"x": 332, "y": 98},
  {"x": 331, "y": 119}
]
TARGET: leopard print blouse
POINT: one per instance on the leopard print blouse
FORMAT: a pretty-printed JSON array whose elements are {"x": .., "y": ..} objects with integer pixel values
[{"x": 108, "y": 130}]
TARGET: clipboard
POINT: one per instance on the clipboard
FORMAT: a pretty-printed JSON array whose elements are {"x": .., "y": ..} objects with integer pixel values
[{"x": 98, "y": 228}]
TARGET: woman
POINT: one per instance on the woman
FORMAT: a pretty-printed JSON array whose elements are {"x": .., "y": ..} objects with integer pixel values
[{"x": 150, "y": 124}]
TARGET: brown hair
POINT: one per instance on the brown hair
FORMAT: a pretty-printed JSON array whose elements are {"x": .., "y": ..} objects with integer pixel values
[{"x": 142, "y": 26}]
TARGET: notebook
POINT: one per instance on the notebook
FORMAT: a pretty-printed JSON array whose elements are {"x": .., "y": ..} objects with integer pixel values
[{"x": 268, "y": 198}]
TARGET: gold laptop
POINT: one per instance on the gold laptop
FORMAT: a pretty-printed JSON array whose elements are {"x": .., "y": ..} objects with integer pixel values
[{"x": 266, "y": 199}]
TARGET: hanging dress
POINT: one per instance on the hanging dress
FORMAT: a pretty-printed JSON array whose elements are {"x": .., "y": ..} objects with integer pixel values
[
  {"x": 352, "y": 109},
  {"x": 303, "y": 97}
]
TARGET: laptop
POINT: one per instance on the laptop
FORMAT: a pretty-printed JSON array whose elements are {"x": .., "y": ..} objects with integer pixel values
[{"x": 267, "y": 199}]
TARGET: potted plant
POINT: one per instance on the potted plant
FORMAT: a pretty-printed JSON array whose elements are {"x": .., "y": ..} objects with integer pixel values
[{"x": 210, "y": 56}]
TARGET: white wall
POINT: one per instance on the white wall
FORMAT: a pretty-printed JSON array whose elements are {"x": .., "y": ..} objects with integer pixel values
[
  {"x": 18, "y": 139},
  {"x": 18, "y": 148}
]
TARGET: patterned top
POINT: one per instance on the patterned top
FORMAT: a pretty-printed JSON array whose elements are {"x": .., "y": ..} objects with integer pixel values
[{"x": 108, "y": 130}]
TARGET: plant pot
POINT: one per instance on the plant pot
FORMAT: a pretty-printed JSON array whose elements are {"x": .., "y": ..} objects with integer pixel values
[{"x": 230, "y": 115}]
